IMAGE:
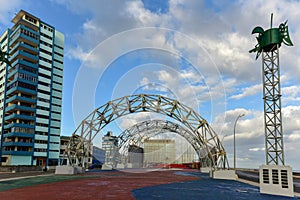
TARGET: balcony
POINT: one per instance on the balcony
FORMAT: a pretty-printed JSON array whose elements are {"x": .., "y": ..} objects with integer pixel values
[
  {"x": 24, "y": 153},
  {"x": 14, "y": 144},
  {"x": 13, "y": 72},
  {"x": 18, "y": 125},
  {"x": 17, "y": 35},
  {"x": 23, "y": 54},
  {"x": 18, "y": 134},
  {"x": 20, "y": 98},
  {"x": 17, "y": 107},
  {"x": 29, "y": 38},
  {"x": 17, "y": 116},
  {"x": 29, "y": 64},
  {"x": 23, "y": 81},
  {"x": 24, "y": 46},
  {"x": 24, "y": 90}
]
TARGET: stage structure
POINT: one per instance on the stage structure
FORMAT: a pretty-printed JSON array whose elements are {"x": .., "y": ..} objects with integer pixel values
[
  {"x": 204, "y": 136},
  {"x": 275, "y": 175},
  {"x": 137, "y": 134}
]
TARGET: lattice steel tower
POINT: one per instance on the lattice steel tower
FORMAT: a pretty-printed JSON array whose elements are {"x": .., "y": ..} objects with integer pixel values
[{"x": 269, "y": 42}]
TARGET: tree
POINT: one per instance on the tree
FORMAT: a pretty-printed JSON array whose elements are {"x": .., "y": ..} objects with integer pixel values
[{"x": 3, "y": 57}]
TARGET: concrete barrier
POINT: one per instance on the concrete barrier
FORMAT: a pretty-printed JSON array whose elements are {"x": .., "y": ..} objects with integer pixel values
[
  {"x": 225, "y": 174},
  {"x": 276, "y": 180},
  {"x": 66, "y": 169},
  {"x": 205, "y": 169}
]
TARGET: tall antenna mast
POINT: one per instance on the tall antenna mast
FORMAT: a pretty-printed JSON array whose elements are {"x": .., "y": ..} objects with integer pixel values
[
  {"x": 275, "y": 177},
  {"x": 269, "y": 42}
]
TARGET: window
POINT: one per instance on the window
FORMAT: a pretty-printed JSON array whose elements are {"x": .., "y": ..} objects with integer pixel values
[
  {"x": 30, "y": 19},
  {"x": 58, "y": 61},
  {"x": 29, "y": 34},
  {"x": 46, "y": 36},
  {"x": 59, "y": 47}
]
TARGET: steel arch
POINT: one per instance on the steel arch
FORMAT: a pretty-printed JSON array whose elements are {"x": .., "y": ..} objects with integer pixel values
[
  {"x": 138, "y": 133},
  {"x": 206, "y": 137}
]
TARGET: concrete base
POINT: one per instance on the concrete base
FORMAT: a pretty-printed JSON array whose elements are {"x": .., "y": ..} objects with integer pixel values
[
  {"x": 129, "y": 165},
  {"x": 106, "y": 167},
  {"x": 66, "y": 169},
  {"x": 120, "y": 166},
  {"x": 205, "y": 169},
  {"x": 225, "y": 174},
  {"x": 276, "y": 180}
]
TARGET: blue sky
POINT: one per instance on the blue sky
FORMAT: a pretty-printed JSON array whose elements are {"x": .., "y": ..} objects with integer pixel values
[{"x": 195, "y": 51}]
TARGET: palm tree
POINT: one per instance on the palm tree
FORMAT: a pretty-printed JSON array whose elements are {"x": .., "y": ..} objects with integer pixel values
[{"x": 3, "y": 57}]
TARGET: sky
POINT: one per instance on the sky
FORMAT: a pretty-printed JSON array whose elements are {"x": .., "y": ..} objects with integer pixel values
[{"x": 191, "y": 50}]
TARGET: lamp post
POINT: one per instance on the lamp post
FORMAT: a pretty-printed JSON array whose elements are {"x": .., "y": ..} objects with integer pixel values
[
  {"x": 223, "y": 138},
  {"x": 234, "y": 147}
]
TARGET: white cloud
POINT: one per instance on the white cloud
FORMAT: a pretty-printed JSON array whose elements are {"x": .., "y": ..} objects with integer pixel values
[
  {"x": 294, "y": 136},
  {"x": 257, "y": 149},
  {"x": 290, "y": 94},
  {"x": 9, "y": 9},
  {"x": 226, "y": 37},
  {"x": 248, "y": 91},
  {"x": 224, "y": 65}
]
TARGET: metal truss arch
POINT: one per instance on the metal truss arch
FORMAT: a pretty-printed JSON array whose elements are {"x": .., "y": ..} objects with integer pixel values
[
  {"x": 147, "y": 129},
  {"x": 137, "y": 134},
  {"x": 198, "y": 126}
]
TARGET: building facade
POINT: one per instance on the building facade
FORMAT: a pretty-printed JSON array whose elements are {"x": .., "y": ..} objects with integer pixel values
[
  {"x": 63, "y": 157},
  {"x": 98, "y": 157},
  {"x": 159, "y": 151},
  {"x": 136, "y": 156},
  {"x": 31, "y": 92},
  {"x": 185, "y": 155},
  {"x": 110, "y": 146}
]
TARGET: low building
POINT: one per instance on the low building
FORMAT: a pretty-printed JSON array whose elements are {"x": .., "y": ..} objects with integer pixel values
[{"x": 98, "y": 157}]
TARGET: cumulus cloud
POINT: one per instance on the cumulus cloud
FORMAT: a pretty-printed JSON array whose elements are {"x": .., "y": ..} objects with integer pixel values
[
  {"x": 9, "y": 9},
  {"x": 248, "y": 91},
  {"x": 257, "y": 149},
  {"x": 217, "y": 45}
]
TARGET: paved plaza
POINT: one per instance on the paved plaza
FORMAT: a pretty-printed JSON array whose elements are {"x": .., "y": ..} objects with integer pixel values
[{"x": 129, "y": 184}]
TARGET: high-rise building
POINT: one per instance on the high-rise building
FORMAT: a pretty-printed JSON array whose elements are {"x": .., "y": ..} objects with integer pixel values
[
  {"x": 110, "y": 145},
  {"x": 31, "y": 92}
]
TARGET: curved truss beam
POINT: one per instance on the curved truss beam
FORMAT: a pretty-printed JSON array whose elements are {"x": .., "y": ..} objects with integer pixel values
[
  {"x": 142, "y": 131},
  {"x": 114, "y": 109}
]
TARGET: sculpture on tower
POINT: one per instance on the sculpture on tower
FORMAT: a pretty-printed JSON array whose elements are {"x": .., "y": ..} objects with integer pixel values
[{"x": 268, "y": 40}]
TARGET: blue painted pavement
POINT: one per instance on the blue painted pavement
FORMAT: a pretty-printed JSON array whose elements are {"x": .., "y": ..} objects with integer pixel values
[{"x": 205, "y": 188}]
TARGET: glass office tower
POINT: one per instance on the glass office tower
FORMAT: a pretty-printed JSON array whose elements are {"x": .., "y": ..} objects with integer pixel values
[{"x": 31, "y": 92}]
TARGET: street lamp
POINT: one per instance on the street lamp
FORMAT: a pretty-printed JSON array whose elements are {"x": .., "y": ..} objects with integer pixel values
[
  {"x": 234, "y": 148},
  {"x": 223, "y": 138}
]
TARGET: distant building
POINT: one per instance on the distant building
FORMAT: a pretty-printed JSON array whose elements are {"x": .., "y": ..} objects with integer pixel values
[
  {"x": 159, "y": 151},
  {"x": 31, "y": 92},
  {"x": 64, "y": 140},
  {"x": 136, "y": 156},
  {"x": 98, "y": 157},
  {"x": 110, "y": 145},
  {"x": 186, "y": 154}
]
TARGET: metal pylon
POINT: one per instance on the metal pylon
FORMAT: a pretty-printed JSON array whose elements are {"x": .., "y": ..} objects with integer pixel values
[{"x": 272, "y": 107}]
